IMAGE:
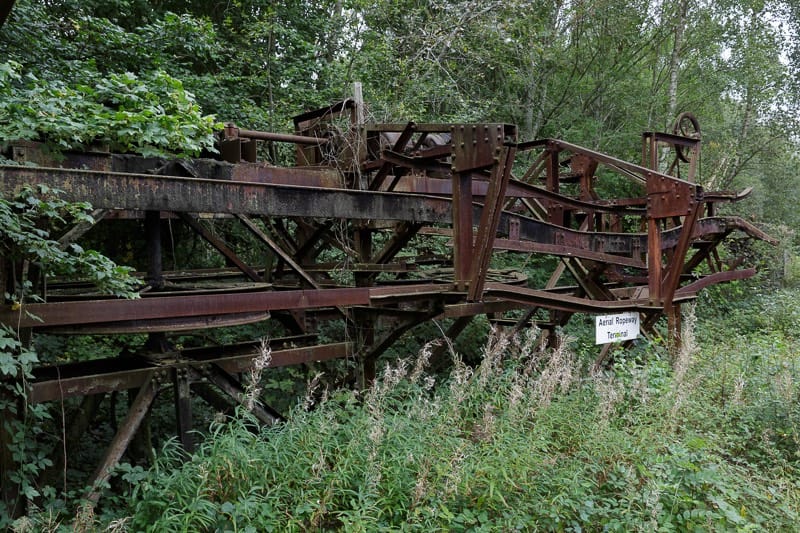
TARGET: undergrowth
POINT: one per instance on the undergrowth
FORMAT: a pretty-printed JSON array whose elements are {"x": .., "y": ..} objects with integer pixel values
[{"x": 528, "y": 440}]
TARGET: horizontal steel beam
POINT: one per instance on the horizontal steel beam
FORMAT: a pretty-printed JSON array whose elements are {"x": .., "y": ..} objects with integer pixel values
[
  {"x": 711, "y": 279},
  {"x": 563, "y": 302},
  {"x": 122, "y": 373},
  {"x": 112, "y": 190},
  {"x": 111, "y": 310},
  {"x": 38, "y": 315},
  {"x": 269, "y": 136}
]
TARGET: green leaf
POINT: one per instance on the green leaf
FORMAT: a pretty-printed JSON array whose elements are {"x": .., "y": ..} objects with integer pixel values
[{"x": 8, "y": 364}]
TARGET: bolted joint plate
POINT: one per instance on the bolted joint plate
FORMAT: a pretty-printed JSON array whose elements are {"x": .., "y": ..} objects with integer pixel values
[
  {"x": 477, "y": 146},
  {"x": 671, "y": 197}
]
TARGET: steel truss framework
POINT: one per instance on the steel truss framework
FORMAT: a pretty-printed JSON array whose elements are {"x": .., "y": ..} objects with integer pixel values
[{"x": 370, "y": 191}]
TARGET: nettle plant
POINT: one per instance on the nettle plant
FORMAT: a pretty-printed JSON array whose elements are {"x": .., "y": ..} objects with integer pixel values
[{"x": 150, "y": 114}]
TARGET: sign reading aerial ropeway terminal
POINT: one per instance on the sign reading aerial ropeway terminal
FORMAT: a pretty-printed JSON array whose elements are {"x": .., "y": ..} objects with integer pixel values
[{"x": 616, "y": 328}]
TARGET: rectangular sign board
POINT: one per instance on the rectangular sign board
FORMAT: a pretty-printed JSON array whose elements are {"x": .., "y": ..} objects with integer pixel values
[{"x": 616, "y": 328}]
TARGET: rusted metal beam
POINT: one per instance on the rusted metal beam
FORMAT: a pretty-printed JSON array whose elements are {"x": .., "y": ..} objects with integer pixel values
[
  {"x": 398, "y": 128},
  {"x": 232, "y": 132},
  {"x": 154, "y": 325},
  {"x": 277, "y": 250},
  {"x": 308, "y": 249},
  {"x": 152, "y": 230},
  {"x": 116, "y": 374},
  {"x": 81, "y": 228},
  {"x": 111, "y": 310},
  {"x": 462, "y": 228},
  {"x": 562, "y": 302},
  {"x": 111, "y": 190},
  {"x": 490, "y": 219},
  {"x": 386, "y": 167},
  {"x": 231, "y": 386},
  {"x": 183, "y": 408},
  {"x": 627, "y": 245},
  {"x": 403, "y": 233},
  {"x": 106, "y": 311},
  {"x": 567, "y": 251},
  {"x": 711, "y": 279},
  {"x": 676, "y": 262},
  {"x": 221, "y": 247},
  {"x": 470, "y": 309},
  {"x": 374, "y": 351},
  {"x": 654, "y": 260},
  {"x": 637, "y": 172}
]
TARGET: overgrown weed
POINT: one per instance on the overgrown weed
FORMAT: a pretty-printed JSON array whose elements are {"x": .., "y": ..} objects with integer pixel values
[{"x": 530, "y": 439}]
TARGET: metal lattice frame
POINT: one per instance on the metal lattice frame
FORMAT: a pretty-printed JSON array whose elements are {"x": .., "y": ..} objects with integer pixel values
[{"x": 465, "y": 182}]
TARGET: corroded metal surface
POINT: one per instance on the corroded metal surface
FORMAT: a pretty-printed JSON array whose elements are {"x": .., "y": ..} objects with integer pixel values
[{"x": 379, "y": 227}]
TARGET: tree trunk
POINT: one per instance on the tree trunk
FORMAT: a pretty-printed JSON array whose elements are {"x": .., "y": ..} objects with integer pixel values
[{"x": 675, "y": 58}]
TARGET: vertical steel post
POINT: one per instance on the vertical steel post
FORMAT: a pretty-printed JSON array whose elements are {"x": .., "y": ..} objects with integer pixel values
[
  {"x": 364, "y": 322},
  {"x": 462, "y": 229},
  {"x": 183, "y": 408},
  {"x": 152, "y": 229},
  {"x": 654, "y": 266},
  {"x": 490, "y": 219}
]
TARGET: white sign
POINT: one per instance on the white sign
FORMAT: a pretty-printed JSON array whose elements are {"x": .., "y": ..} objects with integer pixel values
[{"x": 616, "y": 328}]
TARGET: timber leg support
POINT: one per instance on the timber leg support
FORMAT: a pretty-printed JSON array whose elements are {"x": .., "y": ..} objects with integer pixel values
[{"x": 137, "y": 413}]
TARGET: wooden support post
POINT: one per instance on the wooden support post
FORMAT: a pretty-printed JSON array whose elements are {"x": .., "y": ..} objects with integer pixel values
[
  {"x": 136, "y": 414},
  {"x": 358, "y": 118}
]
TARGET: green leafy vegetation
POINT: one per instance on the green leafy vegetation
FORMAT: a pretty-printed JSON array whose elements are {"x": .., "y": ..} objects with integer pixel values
[
  {"x": 523, "y": 439},
  {"x": 150, "y": 116},
  {"x": 26, "y": 223},
  {"x": 528, "y": 439}
]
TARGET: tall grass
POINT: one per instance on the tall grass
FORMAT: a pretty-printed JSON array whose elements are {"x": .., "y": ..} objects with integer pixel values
[
  {"x": 530, "y": 439},
  {"x": 527, "y": 440}
]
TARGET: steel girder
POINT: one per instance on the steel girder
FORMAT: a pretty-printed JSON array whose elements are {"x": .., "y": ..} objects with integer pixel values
[{"x": 350, "y": 229}]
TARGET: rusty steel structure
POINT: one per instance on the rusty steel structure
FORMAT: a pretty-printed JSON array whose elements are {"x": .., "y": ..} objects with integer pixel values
[{"x": 370, "y": 194}]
